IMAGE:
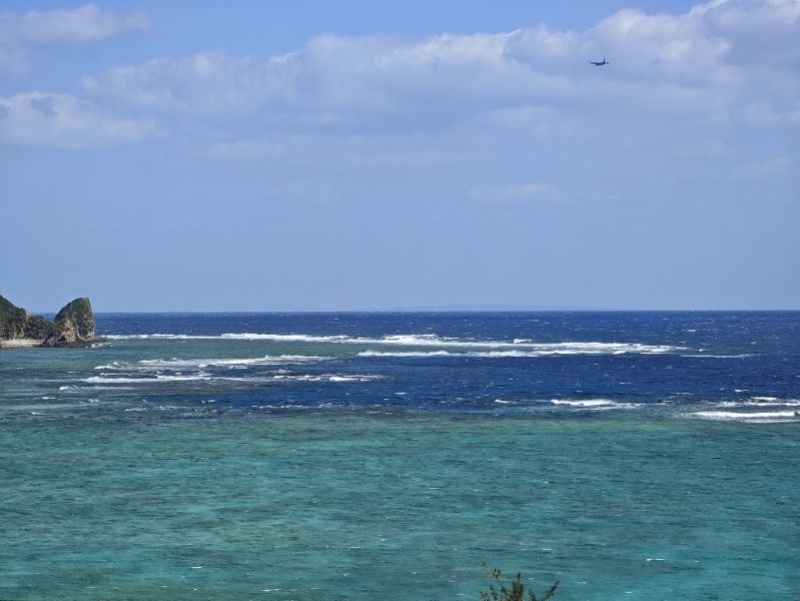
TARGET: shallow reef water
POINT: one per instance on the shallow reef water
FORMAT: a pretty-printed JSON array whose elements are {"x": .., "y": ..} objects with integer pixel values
[{"x": 628, "y": 456}]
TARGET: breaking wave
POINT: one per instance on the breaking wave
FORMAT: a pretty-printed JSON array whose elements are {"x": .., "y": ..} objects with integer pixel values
[
  {"x": 517, "y": 347},
  {"x": 752, "y": 417}
]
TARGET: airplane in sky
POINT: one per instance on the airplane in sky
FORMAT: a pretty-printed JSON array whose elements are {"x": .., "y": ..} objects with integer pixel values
[{"x": 600, "y": 63}]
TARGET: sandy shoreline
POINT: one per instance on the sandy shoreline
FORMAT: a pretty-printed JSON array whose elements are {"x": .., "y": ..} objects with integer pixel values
[{"x": 20, "y": 343}]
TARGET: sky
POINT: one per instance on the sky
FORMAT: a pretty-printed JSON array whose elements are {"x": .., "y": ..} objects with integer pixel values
[{"x": 358, "y": 155}]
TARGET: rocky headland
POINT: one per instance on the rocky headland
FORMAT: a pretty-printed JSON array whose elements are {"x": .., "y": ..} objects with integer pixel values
[{"x": 73, "y": 326}]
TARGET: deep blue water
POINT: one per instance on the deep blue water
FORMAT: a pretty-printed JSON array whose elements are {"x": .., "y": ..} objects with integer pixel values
[
  {"x": 387, "y": 455},
  {"x": 506, "y": 362}
]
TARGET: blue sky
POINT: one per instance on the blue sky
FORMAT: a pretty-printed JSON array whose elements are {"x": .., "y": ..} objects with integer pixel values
[{"x": 355, "y": 155}]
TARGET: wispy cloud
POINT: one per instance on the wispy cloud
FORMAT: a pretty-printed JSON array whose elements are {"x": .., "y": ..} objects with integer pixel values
[
  {"x": 40, "y": 118},
  {"x": 703, "y": 66},
  {"x": 23, "y": 34},
  {"x": 764, "y": 171},
  {"x": 62, "y": 121},
  {"x": 707, "y": 149},
  {"x": 765, "y": 113},
  {"x": 79, "y": 25},
  {"x": 697, "y": 65}
]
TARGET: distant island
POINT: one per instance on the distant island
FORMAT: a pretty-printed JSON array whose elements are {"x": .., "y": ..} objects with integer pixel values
[{"x": 72, "y": 326}]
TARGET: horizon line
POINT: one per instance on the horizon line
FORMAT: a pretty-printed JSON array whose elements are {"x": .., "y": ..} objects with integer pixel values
[{"x": 444, "y": 310}]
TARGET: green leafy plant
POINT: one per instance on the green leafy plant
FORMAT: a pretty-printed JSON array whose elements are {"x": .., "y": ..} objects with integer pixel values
[{"x": 514, "y": 591}]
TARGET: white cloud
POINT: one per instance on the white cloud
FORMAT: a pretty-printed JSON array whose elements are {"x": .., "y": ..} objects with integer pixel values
[
  {"x": 698, "y": 67},
  {"x": 543, "y": 46},
  {"x": 764, "y": 113},
  {"x": 689, "y": 65},
  {"x": 660, "y": 47},
  {"x": 62, "y": 121},
  {"x": 334, "y": 82},
  {"x": 764, "y": 171},
  {"x": 765, "y": 30},
  {"x": 84, "y": 24},
  {"x": 208, "y": 84},
  {"x": 539, "y": 121},
  {"x": 22, "y": 33},
  {"x": 13, "y": 60}
]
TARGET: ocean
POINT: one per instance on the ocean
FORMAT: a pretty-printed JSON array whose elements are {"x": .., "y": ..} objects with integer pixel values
[{"x": 354, "y": 456}]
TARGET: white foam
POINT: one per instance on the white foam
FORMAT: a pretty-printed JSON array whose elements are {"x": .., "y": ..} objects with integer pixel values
[
  {"x": 594, "y": 404},
  {"x": 702, "y": 355},
  {"x": 39, "y": 407},
  {"x": 584, "y": 403},
  {"x": 755, "y": 417},
  {"x": 349, "y": 378},
  {"x": 103, "y": 379},
  {"x": 175, "y": 363},
  {"x": 405, "y": 354},
  {"x": 544, "y": 351},
  {"x": 157, "y": 337},
  {"x": 325, "y": 378},
  {"x": 114, "y": 365},
  {"x": 112, "y": 380},
  {"x": 760, "y": 402},
  {"x": 433, "y": 340},
  {"x": 232, "y": 363},
  {"x": 95, "y": 387},
  {"x": 284, "y": 337}
]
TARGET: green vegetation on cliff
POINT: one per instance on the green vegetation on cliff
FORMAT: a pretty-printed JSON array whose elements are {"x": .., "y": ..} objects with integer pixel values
[
  {"x": 73, "y": 325},
  {"x": 13, "y": 320}
]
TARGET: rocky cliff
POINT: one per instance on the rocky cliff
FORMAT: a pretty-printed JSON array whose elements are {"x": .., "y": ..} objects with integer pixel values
[{"x": 72, "y": 326}]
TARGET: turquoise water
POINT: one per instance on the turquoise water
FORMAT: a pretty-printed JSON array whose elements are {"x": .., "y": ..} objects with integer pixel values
[
  {"x": 369, "y": 456},
  {"x": 364, "y": 507}
]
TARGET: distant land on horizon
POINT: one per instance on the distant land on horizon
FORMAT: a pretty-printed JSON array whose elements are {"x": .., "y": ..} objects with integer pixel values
[
  {"x": 449, "y": 308},
  {"x": 99, "y": 309}
]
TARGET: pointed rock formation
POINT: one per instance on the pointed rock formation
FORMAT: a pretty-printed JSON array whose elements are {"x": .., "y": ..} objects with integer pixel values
[{"x": 73, "y": 325}]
